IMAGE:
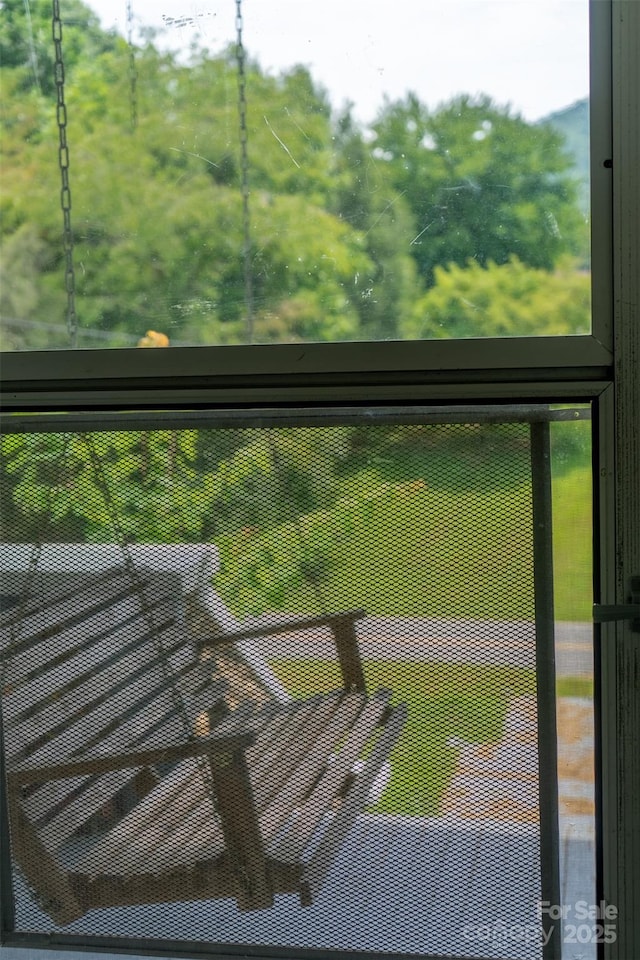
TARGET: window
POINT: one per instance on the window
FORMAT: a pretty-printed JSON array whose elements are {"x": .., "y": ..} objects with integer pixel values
[
  {"x": 303, "y": 190},
  {"x": 348, "y": 385}
]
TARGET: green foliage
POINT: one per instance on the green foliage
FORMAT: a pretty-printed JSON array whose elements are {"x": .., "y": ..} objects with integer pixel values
[
  {"x": 157, "y": 214},
  {"x": 315, "y": 519},
  {"x": 502, "y": 301},
  {"x": 26, "y": 44},
  {"x": 363, "y": 196},
  {"x": 22, "y": 259},
  {"x": 171, "y": 485},
  {"x": 444, "y": 701},
  {"x": 257, "y": 480},
  {"x": 140, "y": 485},
  {"x": 347, "y": 226},
  {"x": 483, "y": 185},
  {"x": 414, "y": 511}
]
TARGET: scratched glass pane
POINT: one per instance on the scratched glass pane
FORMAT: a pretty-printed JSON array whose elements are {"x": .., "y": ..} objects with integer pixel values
[
  {"x": 267, "y": 682},
  {"x": 281, "y": 172}
]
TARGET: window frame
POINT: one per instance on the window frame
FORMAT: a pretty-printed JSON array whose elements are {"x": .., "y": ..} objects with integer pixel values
[{"x": 415, "y": 361}]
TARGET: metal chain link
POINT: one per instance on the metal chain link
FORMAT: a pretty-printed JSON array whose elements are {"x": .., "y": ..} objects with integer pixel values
[
  {"x": 14, "y": 632},
  {"x": 309, "y": 573},
  {"x": 65, "y": 192},
  {"x": 244, "y": 171},
  {"x": 178, "y": 702},
  {"x": 34, "y": 560},
  {"x": 133, "y": 72}
]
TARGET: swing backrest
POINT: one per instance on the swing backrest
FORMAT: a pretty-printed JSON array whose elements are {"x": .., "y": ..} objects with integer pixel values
[{"x": 97, "y": 664}]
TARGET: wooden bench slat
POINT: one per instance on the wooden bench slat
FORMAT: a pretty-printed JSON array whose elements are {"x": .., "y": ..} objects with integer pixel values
[
  {"x": 120, "y": 680},
  {"x": 93, "y": 794},
  {"x": 148, "y": 815},
  {"x": 81, "y": 807},
  {"x": 293, "y": 791},
  {"x": 270, "y": 720},
  {"x": 142, "y": 703},
  {"x": 55, "y": 794},
  {"x": 271, "y": 748},
  {"x": 49, "y": 796},
  {"x": 294, "y": 750},
  {"x": 71, "y": 688},
  {"x": 99, "y": 727},
  {"x": 166, "y": 818},
  {"x": 32, "y": 633},
  {"x": 289, "y": 847},
  {"x": 97, "y": 788},
  {"x": 85, "y": 665},
  {"x": 198, "y": 837},
  {"x": 188, "y": 835},
  {"x": 46, "y": 591},
  {"x": 75, "y": 701},
  {"x": 321, "y": 858},
  {"x": 69, "y": 654}
]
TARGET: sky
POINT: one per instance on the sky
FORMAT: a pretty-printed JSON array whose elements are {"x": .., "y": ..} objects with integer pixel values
[{"x": 531, "y": 54}]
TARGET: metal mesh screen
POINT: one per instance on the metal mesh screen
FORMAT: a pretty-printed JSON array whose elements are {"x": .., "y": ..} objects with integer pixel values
[{"x": 282, "y": 685}]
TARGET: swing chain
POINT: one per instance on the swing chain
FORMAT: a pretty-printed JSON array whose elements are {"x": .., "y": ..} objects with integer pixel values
[
  {"x": 133, "y": 72},
  {"x": 33, "y": 563},
  {"x": 131, "y": 569},
  {"x": 244, "y": 170},
  {"x": 63, "y": 160}
]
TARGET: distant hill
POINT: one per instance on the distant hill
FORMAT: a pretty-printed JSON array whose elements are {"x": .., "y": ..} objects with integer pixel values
[{"x": 573, "y": 123}]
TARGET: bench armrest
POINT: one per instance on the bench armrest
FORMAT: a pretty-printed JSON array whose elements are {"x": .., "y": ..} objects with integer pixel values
[
  {"x": 272, "y": 628},
  {"x": 342, "y": 626},
  {"x": 214, "y": 743}
]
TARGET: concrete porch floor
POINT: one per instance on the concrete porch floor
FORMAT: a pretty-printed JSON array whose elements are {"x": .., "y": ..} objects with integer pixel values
[{"x": 427, "y": 886}]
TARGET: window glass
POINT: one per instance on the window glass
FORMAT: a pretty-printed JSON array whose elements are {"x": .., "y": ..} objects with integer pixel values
[{"x": 347, "y": 172}]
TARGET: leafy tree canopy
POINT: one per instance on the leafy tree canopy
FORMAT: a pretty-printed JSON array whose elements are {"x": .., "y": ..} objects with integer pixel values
[
  {"x": 348, "y": 227},
  {"x": 509, "y": 299},
  {"x": 483, "y": 185},
  {"x": 26, "y": 39}
]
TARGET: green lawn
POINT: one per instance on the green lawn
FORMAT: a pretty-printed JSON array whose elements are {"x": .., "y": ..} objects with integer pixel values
[
  {"x": 572, "y": 544},
  {"x": 422, "y": 534},
  {"x": 444, "y": 701},
  {"x": 419, "y": 551}
]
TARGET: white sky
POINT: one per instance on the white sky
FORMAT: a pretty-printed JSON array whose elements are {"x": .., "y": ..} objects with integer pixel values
[{"x": 532, "y": 54}]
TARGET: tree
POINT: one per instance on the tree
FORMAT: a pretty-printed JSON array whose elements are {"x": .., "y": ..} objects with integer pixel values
[
  {"x": 483, "y": 185},
  {"x": 507, "y": 300},
  {"x": 26, "y": 43},
  {"x": 364, "y": 198},
  {"x": 57, "y": 485},
  {"x": 346, "y": 231},
  {"x": 22, "y": 261},
  {"x": 157, "y": 212}
]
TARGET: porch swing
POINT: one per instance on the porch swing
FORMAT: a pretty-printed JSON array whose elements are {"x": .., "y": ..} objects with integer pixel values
[{"x": 118, "y": 793}]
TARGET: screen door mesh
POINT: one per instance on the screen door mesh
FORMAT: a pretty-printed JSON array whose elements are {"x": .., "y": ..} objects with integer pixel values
[{"x": 277, "y": 685}]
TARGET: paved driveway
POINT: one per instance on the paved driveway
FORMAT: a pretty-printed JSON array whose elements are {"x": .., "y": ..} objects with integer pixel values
[{"x": 449, "y": 641}]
